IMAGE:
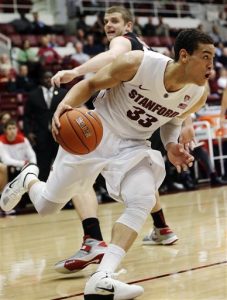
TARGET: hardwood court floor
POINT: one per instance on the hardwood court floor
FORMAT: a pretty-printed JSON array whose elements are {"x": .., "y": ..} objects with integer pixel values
[{"x": 193, "y": 269}]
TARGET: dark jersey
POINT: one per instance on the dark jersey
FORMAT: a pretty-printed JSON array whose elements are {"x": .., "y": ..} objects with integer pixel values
[{"x": 135, "y": 42}]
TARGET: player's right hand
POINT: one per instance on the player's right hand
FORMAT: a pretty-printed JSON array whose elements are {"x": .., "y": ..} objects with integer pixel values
[
  {"x": 179, "y": 157},
  {"x": 55, "y": 120},
  {"x": 187, "y": 137},
  {"x": 63, "y": 76}
]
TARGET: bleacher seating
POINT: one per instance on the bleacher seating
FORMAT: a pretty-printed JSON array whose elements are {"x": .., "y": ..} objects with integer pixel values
[
  {"x": 16, "y": 40},
  {"x": 33, "y": 39},
  {"x": 14, "y": 104}
]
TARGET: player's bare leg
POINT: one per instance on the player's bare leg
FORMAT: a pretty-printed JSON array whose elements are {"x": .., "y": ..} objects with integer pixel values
[
  {"x": 138, "y": 203},
  {"x": 103, "y": 279},
  {"x": 86, "y": 205}
]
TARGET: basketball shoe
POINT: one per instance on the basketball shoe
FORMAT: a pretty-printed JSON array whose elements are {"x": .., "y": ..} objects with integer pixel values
[
  {"x": 91, "y": 252},
  {"x": 15, "y": 189},
  {"x": 160, "y": 236},
  {"x": 101, "y": 285}
]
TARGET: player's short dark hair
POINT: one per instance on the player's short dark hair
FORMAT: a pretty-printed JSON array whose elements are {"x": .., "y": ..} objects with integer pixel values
[
  {"x": 9, "y": 123},
  {"x": 189, "y": 39},
  {"x": 126, "y": 14}
]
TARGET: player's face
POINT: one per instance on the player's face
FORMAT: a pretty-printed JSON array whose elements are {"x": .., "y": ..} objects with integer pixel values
[
  {"x": 200, "y": 64},
  {"x": 114, "y": 25},
  {"x": 11, "y": 132}
]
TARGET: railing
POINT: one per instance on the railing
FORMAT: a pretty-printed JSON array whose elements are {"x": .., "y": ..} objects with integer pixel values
[
  {"x": 5, "y": 44},
  {"x": 138, "y": 7},
  {"x": 15, "y": 6}
]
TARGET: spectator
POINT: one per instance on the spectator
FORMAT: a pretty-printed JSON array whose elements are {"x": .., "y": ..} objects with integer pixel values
[
  {"x": 223, "y": 120},
  {"x": 222, "y": 79},
  {"x": 90, "y": 47},
  {"x": 53, "y": 41},
  {"x": 200, "y": 27},
  {"x": 162, "y": 29},
  {"x": 39, "y": 27},
  {"x": 4, "y": 117},
  {"x": 223, "y": 57},
  {"x": 81, "y": 24},
  {"x": 215, "y": 34},
  {"x": 7, "y": 72},
  {"x": 80, "y": 35},
  {"x": 149, "y": 28},
  {"x": 47, "y": 55},
  {"x": 22, "y": 83},
  {"x": 137, "y": 28},
  {"x": 26, "y": 54},
  {"x": 5, "y": 63},
  {"x": 80, "y": 56},
  {"x": 201, "y": 156},
  {"x": 73, "y": 8},
  {"x": 98, "y": 29},
  {"x": 215, "y": 91},
  {"x": 22, "y": 25},
  {"x": 39, "y": 109},
  {"x": 15, "y": 152}
]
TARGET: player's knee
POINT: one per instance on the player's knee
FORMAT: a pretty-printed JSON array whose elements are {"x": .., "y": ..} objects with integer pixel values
[
  {"x": 137, "y": 212},
  {"x": 143, "y": 199},
  {"x": 49, "y": 208},
  {"x": 43, "y": 212}
]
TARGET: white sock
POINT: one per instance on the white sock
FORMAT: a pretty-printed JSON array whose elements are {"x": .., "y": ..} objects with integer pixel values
[
  {"x": 111, "y": 259},
  {"x": 29, "y": 178},
  {"x": 35, "y": 193}
]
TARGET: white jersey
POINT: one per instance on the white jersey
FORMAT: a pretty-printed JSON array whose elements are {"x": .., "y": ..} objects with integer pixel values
[
  {"x": 17, "y": 152},
  {"x": 135, "y": 109},
  {"x": 130, "y": 112}
]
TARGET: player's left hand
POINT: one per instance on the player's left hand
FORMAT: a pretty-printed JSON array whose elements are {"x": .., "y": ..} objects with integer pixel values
[
  {"x": 187, "y": 137},
  {"x": 55, "y": 120},
  {"x": 179, "y": 157}
]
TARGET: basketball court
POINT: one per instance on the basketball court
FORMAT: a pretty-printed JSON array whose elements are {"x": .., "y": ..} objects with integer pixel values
[{"x": 195, "y": 268}]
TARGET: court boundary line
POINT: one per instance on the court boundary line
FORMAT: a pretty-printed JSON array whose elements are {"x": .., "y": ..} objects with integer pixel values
[{"x": 155, "y": 277}]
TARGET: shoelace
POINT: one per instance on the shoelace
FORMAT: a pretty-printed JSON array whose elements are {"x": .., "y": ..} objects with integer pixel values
[{"x": 117, "y": 274}]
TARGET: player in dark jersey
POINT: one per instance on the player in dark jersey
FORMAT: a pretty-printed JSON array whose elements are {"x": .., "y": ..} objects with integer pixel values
[{"x": 118, "y": 25}]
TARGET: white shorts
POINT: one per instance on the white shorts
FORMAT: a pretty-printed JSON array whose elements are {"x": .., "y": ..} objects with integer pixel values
[{"x": 114, "y": 157}]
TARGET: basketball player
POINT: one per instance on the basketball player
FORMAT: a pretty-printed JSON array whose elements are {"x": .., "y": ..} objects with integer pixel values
[
  {"x": 132, "y": 105},
  {"x": 118, "y": 28}
]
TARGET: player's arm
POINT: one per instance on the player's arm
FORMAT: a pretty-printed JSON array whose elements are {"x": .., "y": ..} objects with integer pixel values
[
  {"x": 122, "y": 69},
  {"x": 170, "y": 131},
  {"x": 187, "y": 134},
  {"x": 118, "y": 45}
]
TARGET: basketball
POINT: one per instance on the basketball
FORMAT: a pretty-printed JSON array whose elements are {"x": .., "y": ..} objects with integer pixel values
[{"x": 80, "y": 132}]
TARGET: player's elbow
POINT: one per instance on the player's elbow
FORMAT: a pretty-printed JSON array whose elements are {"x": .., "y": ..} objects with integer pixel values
[{"x": 91, "y": 86}]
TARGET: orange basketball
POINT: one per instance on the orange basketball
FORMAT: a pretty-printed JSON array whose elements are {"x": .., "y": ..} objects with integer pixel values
[{"x": 80, "y": 132}]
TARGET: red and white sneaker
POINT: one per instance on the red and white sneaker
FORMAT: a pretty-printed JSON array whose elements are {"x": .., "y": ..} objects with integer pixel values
[
  {"x": 91, "y": 252},
  {"x": 160, "y": 236}
]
